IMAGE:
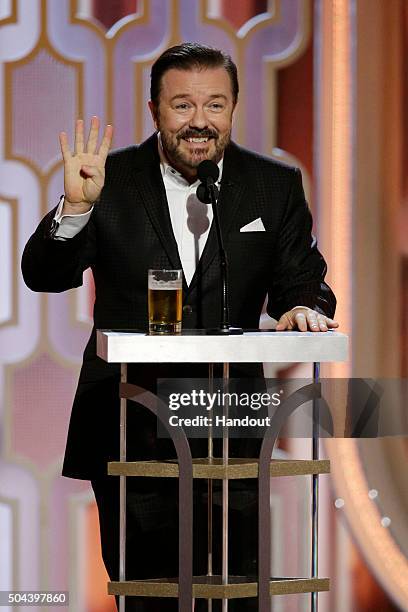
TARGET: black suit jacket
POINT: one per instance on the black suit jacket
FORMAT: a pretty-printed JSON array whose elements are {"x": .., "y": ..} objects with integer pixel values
[{"x": 130, "y": 231}]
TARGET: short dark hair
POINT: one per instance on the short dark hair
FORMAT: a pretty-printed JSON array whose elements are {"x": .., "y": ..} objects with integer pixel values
[{"x": 186, "y": 57}]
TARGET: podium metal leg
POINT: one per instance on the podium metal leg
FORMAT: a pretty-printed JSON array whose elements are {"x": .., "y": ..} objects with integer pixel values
[
  {"x": 185, "y": 574},
  {"x": 122, "y": 491},
  {"x": 315, "y": 490},
  {"x": 225, "y": 457}
]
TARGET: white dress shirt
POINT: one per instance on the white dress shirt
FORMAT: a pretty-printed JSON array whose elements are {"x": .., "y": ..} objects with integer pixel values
[{"x": 191, "y": 219}]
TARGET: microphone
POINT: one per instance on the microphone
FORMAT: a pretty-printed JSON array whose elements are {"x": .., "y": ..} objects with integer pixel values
[
  {"x": 207, "y": 192},
  {"x": 208, "y": 173}
]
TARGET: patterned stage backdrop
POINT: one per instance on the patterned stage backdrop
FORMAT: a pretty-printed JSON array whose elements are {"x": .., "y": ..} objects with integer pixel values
[{"x": 59, "y": 60}]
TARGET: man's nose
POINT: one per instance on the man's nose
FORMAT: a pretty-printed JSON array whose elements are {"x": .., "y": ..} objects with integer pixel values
[{"x": 199, "y": 119}]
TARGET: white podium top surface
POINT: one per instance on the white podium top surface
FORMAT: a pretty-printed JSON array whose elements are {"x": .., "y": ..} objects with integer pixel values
[{"x": 255, "y": 347}]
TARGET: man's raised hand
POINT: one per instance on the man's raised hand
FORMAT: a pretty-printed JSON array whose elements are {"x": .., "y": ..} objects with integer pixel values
[{"x": 84, "y": 169}]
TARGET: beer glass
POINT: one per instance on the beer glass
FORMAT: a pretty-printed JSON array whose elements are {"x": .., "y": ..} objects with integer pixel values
[{"x": 165, "y": 301}]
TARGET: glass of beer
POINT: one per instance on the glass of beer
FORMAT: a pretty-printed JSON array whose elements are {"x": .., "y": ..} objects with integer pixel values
[{"x": 165, "y": 301}]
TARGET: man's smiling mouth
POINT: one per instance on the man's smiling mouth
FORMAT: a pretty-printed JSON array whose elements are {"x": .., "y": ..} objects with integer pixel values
[{"x": 197, "y": 140}]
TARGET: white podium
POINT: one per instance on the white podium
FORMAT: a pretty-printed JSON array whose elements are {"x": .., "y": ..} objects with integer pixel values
[{"x": 192, "y": 347}]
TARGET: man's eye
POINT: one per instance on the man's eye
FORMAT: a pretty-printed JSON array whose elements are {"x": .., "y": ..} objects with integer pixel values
[
  {"x": 216, "y": 106},
  {"x": 182, "y": 106}
]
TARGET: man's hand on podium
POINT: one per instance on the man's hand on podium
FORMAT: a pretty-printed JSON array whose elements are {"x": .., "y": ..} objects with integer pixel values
[
  {"x": 304, "y": 319},
  {"x": 84, "y": 169}
]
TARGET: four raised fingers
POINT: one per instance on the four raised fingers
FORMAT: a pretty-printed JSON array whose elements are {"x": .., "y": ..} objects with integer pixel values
[{"x": 92, "y": 143}]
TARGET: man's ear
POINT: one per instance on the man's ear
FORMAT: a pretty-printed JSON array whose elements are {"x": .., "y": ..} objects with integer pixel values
[
  {"x": 234, "y": 112},
  {"x": 153, "y": 111}
]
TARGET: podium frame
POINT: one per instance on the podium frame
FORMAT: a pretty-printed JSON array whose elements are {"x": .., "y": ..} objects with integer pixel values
[{"x": 257, "y": 347}]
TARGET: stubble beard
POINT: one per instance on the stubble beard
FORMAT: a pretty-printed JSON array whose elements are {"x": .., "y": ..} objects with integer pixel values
[{"x": 182, "y": 159}]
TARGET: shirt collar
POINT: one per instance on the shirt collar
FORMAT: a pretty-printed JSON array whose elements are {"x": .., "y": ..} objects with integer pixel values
[{"x": 169, "y": 172}]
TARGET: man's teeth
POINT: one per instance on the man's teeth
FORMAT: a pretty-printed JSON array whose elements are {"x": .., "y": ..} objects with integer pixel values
[{"x": 197, "y": 139}]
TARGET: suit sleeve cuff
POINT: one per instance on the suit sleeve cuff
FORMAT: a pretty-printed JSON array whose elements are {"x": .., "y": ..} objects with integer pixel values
[{"x": 65, "y": 227}]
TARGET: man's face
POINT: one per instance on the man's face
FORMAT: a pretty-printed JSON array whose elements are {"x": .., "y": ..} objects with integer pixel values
[{"x": 194, "y": 116}]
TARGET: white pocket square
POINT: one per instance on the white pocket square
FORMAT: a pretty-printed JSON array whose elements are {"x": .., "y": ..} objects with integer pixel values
[{"x": 254, "y": 226}]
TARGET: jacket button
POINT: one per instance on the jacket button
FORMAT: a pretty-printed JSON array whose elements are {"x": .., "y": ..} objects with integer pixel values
[{"x": 187, "y": 309}]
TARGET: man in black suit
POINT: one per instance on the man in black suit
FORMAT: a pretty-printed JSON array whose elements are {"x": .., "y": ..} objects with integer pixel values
[{"x": 140, "y": 216}]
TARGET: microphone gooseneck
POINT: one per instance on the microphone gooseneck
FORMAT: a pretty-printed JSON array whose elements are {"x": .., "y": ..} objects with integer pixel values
[{"x": 207, "y": 192}]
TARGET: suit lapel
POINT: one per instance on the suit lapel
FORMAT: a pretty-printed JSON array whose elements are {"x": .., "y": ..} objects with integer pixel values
[
  {"x": 232, "y": 193},
  {"x": 147, "y": 180}
]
